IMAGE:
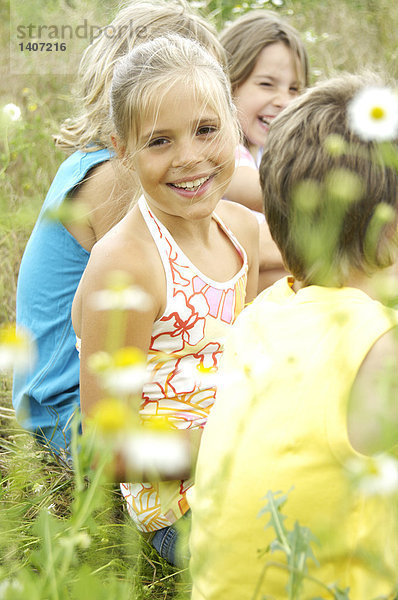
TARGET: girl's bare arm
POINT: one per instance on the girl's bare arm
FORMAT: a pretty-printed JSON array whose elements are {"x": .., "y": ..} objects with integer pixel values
[
  {"x": 99, "y": 202},
  {"x": 245, "y": 188},
  {"x": 95, "y": 327}
]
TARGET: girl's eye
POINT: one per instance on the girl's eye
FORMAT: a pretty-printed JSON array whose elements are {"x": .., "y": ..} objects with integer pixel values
[
  {"x": 157, "y": 142},
  {"x": 266, "y": 84},
  {"x": 206, "y": 130},
  {"x": 294, "y": 90}
]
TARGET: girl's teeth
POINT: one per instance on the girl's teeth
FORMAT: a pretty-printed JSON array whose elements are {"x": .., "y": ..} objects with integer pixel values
[{"x": 191, "y": 184}]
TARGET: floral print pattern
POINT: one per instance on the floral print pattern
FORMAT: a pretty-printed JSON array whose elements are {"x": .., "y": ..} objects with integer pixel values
[{"x": 187, "y": 338}]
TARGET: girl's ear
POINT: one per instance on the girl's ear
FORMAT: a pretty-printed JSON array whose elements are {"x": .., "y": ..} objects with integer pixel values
[
  {"x": 121, "y": 151},
  {"x": 119, "y": 146}
]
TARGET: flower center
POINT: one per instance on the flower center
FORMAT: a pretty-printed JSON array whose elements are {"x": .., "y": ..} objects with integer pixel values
[{"x": 377, "y": 113}]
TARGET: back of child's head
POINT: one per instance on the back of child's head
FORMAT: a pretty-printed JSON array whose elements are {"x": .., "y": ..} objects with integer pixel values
[
  {"x": 331, "y": 201},
  {"x": 144, "y": 76},
  {"x": 245, "y": 38},
  {"x": 136, "y": 22}
]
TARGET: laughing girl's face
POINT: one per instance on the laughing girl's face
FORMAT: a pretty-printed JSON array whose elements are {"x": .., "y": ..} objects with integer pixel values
[{"x": 270, "y": 87}]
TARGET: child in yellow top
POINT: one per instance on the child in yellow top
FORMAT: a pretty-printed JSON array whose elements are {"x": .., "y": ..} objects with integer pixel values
[{"x": 302, "y": 409}]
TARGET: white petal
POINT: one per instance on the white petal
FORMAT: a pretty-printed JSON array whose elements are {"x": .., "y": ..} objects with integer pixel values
[
  {"x": 158, "y": 452},
  {"x": 128, "y": 380},
  {"x": 131, "y": 298}
]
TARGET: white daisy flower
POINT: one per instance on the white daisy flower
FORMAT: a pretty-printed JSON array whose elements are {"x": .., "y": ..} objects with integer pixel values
[
  {"x": 373, "y": 114},
  {"x": 8, "y": 587},
  {"x": 129, "y": 298},
  {"x": 310, "y": 37},
  {"x": 375, "y": 476},
  {"x": 81, "y": 539},
  {"x": 123, "y": 381},
  {"x": 157, "y": 452},
  {"x": 12, "y": 111}
]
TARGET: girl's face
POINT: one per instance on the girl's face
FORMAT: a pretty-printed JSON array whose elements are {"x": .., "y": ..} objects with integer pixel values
[
  {"x": 186, "y": 158},
  {"x": 270, "y": 87}
]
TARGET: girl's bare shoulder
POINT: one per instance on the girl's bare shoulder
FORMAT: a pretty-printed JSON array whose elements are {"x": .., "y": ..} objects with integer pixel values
[
  {"x": 128, "y": 247},
  {"x": 240, "y": 220}
]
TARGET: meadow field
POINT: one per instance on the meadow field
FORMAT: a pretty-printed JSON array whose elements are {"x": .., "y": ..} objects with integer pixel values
[{"x": 59, "y": 537}]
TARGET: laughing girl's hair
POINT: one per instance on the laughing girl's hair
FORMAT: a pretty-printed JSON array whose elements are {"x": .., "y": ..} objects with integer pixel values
[{"x": 247, "y": 36}]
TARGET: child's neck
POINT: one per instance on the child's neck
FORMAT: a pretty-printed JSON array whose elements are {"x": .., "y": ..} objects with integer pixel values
[
  {"x": 183, "y": 229},
  {"x": 377, "y": 285},
  {"x": 254, "y": 150}
]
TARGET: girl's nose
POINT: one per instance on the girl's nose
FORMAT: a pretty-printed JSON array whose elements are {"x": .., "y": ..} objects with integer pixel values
[
  {"x": 282, "y": 98},
  {"x": 187, "y": 152}
]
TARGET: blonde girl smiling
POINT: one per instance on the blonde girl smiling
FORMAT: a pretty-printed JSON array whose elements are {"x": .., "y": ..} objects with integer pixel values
[{"x": 196, "y": 255}]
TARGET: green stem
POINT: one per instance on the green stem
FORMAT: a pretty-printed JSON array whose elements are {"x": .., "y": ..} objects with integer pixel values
[
  {"x": 6, "y": 152},
  {"x": 116, "y": 328},
  {"x": 84, "y": 509},
  {"x": 280, "y": 534},
  {"x": 51, "y": 576},
  {"x": 290, "y": 570}
]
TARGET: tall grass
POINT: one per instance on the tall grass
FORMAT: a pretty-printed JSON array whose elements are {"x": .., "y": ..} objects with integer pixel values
[{"x": 58, "y": 539}]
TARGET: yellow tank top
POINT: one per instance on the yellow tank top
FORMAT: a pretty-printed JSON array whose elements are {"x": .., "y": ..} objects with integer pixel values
[{"x": 280, "y": 425}]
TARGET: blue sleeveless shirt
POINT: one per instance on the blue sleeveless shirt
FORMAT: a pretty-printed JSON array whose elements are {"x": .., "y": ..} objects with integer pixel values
[{"x": 46, "y": 398}]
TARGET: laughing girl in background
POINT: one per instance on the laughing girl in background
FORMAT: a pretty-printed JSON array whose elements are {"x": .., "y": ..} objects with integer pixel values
[
  {"x": 268, "y": 67},
  {"x": 195, "y": 254}
]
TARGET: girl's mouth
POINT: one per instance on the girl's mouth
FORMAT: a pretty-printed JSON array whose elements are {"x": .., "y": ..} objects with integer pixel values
[
  {"x": 265, "y": 121},
  {"x": 193, "y": 186}
]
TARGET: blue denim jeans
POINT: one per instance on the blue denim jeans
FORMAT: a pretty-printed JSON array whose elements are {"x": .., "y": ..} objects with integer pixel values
[{"x": 171, "y": 543}]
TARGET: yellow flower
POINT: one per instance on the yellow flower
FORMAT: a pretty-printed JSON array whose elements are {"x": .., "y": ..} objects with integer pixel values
[
  {"x": 17, "y": 350},
  {"x": 128, "y": 356},
  {"x": 157, "y": 424},
  {"x": 111, "y": 416},
  {"x": 123, "y": 373}
]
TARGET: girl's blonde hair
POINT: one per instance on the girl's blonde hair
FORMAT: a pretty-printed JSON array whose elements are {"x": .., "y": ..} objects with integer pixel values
[
  {"x": 147, "y": 73},
  {"x": 136, "y": 22},
  {"x": 245, "y": 38}
]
